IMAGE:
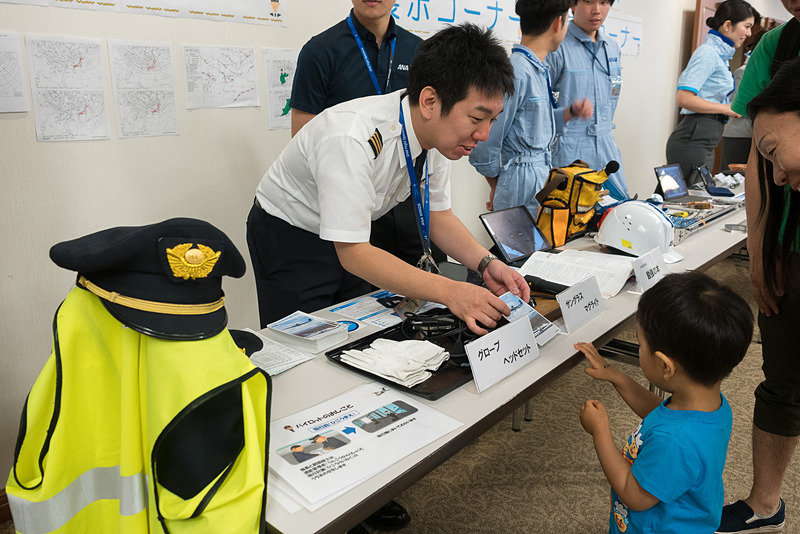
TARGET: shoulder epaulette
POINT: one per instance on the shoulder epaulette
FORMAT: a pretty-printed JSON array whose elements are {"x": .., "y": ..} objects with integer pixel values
[{"x": 376, "y": 142}]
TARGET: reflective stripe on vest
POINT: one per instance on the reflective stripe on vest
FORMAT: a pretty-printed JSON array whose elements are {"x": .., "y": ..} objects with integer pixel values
[{"x": 100, "y": 483}]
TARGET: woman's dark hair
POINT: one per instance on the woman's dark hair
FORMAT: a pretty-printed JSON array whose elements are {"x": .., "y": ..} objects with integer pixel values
[
  {"x": 781, "y": 263},
  {"x": 733, "y": 10}
]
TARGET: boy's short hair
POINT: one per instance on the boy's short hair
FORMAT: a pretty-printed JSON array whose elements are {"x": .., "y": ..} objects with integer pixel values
[
  {"x": 536, "y": 16},
  {"x": 457, "y": 59},
  {"x": 702, "y": 325}
]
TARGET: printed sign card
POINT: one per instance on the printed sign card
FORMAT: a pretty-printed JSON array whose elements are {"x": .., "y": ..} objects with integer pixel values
[
  {"x": 649, "y": 269},
  {"x": 580, "y": 303},
  {"x": 501, "y": 353}
]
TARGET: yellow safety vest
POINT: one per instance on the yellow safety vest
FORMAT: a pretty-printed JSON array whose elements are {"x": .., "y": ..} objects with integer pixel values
[{"x": 127, "y": 433}]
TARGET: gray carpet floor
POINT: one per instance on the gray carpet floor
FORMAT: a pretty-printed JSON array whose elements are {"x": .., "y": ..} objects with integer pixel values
[{"x": 546, "y": 478}]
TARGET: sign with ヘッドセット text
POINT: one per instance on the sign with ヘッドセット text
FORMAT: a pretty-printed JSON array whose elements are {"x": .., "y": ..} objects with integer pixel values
[{"x": 501, "y": 353}]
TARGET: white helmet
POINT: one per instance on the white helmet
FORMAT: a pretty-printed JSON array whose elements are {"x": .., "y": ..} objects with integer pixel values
[{"x": 637, "y": 227}]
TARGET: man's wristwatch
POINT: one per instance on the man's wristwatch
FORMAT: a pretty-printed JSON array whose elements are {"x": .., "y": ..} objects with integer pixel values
[{"x": 484, "y": 263}]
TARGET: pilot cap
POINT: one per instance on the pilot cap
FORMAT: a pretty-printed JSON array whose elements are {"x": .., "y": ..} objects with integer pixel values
[{"x": 163, "y": 280}]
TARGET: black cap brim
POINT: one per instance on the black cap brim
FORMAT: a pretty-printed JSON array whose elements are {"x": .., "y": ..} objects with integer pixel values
[{"x": 248, "y": 341}]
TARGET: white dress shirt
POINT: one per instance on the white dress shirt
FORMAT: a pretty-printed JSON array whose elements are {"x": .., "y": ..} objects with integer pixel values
[{"x": 329, "y": 181}]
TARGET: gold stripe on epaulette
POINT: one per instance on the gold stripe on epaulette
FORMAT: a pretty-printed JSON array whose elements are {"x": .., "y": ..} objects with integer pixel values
[{"x": 376, "y": 142}]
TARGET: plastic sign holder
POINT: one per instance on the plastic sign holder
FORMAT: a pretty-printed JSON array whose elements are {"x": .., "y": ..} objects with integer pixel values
[
  {"x": 580, "y": 303},
  {"x": 501, "y": 353},
  {"x": 649, "y": 269}
]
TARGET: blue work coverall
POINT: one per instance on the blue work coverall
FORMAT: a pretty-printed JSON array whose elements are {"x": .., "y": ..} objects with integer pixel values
[
  {"x": 518, "y": 147},
  {"x": 582, "y": 68}
]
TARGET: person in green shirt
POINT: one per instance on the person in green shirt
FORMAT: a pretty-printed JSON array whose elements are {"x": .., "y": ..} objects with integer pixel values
[{"x": 772, "y": 181}]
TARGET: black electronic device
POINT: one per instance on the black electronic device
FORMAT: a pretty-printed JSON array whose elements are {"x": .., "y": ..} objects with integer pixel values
[
  {"x": 672, "y": 186},
  {"x": 459, "y": 273},
  {"x": 711, "y": 184},
  {"x": 540, "y": 285},
  {"x": 515, "y": 233}
]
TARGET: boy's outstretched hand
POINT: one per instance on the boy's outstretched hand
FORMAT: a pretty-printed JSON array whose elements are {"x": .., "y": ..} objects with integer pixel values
[
  {"x": 598, "y": 367},
  {"x": 594, "y": 417}
]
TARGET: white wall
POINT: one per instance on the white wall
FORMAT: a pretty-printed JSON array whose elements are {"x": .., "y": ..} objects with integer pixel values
[{"x": 57, "y": 191}]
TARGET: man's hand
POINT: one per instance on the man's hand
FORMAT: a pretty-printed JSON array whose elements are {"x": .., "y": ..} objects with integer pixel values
[
  {"x": 582, "y": 109},
  {"x": 474, "y": 304},
  {"x": 492, "y": 181},
  {"x": 500, "y": 278}
]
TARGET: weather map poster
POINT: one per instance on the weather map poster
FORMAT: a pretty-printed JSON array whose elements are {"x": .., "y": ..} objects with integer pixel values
[
  {"x": 279, "y": 64},
  {"x": 144, "y": 88},
  {"x": 69, "y": 98},
  {"x": 269, "y": 12},
  {"x": 13, "y": 88},
  {"x": 220, "y": 77}
]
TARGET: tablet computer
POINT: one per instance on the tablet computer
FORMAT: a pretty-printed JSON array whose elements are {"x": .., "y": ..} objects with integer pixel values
[{"x": 515, "y": 233}]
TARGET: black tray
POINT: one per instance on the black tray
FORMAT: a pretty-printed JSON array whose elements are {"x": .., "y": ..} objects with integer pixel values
[{"x": 451, "y": 375}]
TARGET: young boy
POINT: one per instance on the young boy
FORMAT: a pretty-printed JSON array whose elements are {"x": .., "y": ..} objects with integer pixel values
[
  {"x": 692, "y": 333},
  {"x": 516, "y": 158}
]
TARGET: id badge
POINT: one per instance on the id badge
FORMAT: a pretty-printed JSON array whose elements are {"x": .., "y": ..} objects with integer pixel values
[{"x": 616, "y": 85}]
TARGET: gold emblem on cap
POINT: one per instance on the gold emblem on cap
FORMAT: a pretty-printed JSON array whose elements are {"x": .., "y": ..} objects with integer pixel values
[{"x": 187, "y": 262}]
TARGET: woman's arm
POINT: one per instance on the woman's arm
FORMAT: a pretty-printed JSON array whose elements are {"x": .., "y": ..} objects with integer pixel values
[{"x": 692, "y": 102}]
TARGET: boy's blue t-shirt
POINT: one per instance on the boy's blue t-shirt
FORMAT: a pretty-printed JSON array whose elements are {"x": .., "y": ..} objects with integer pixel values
[{"x": 677, "y": 456}]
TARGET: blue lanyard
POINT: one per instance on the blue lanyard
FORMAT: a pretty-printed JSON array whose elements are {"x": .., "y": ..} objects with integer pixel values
[
  {"x": 536, "y": 61},
  {"x": 366, "y": 59},
  {"x": 594, "y": 54},
  {"x": 423, "y": 211}
]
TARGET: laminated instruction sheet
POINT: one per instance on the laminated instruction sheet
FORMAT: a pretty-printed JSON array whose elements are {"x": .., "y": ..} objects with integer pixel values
[{"x": 319, "y": 453}]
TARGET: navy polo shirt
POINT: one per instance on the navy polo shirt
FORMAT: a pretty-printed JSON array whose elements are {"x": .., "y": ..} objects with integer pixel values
[{"x": 331, "y": 70}]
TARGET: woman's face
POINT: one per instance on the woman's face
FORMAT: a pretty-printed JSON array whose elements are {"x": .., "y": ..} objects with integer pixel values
[
  {"x": 738, "y": 32},
  {"x": 776, "y": 135}
]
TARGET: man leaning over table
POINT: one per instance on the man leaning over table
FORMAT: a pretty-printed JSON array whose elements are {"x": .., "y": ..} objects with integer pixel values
[
  {"x": 365, "y": 54},
  {"x": 308, "y": 231}
]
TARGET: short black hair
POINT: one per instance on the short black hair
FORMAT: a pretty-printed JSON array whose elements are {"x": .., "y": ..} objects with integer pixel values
[
  {"x": 702, "y": 325},
  {"x": 457, "y": 59},
  {"x": 293, "y": 447},
  {"x": 535, "y": 16}
]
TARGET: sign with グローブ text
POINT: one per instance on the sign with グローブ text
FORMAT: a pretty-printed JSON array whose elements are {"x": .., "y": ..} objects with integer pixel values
[{"x": 501, "y": 353}]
